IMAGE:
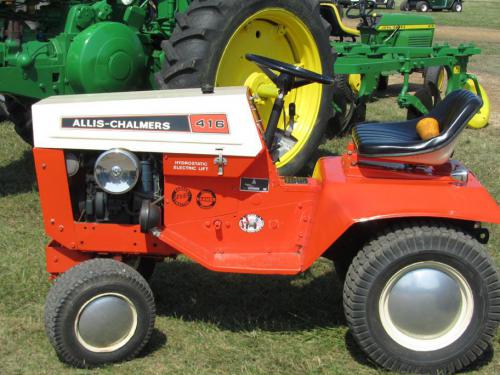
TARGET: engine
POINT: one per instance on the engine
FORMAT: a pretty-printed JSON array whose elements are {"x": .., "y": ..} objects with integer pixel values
[{"x": 115, "y": 186}]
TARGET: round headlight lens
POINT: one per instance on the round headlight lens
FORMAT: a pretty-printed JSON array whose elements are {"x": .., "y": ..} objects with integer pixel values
[{"x": 116, "y": 171}]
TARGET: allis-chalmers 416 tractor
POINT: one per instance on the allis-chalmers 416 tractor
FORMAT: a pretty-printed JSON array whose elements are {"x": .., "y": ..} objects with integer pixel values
[{"x": 128, "y": 179}]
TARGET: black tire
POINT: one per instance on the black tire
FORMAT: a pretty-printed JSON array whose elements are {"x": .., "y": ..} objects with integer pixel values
[
  {"x": 194, "y": 51},
  {"x": 342, "y": 87},
  {"x": 73, "y": 292},
  {"x": 390, "y": 4},
  {"x": 342, "y": 120},
  {"x": 422, "y": 6},
  {"x": 376, "y": 267},
  {"x": 404, "y": 6},
  {"x": 345, "y": 98},
  {"x": 432, "y": 75},
  {"x": 457, "y": 6},
  {"x": 20, "y": 115}
]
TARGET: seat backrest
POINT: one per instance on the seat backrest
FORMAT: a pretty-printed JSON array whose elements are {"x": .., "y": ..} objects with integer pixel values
[{"x": 455, "y": 111}]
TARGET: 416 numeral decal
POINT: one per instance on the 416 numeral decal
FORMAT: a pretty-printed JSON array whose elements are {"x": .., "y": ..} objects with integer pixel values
[{"x": 209, "y": 123}]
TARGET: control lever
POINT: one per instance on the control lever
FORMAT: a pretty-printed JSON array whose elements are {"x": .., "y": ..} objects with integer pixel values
[{"x": 220, "y": 161}]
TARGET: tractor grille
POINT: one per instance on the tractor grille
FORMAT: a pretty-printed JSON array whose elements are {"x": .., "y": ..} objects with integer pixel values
[{"x": 420, "y": 41}]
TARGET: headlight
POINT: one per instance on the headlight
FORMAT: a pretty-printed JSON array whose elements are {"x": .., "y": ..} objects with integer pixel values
[
  {"x": 116, "y": 171},
  {"x": 127, "y": 2}
]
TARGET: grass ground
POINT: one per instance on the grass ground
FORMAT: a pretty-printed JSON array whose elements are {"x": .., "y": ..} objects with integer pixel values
[{"x": 211, "y": 323}]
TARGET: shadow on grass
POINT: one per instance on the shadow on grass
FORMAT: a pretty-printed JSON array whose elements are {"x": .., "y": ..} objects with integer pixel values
[
  {"x": 247, "y": 302},
  {"x": 242, "y": 303},
  {"x": 18, "y": 176},
  {"x": 158, "y": 340},
  {"x": 393, "y": 90}
]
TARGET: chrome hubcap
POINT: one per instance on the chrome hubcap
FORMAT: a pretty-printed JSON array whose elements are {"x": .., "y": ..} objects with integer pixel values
[
  {"x": 426, "y": 306},
  {"x": 106, "y": 322}
]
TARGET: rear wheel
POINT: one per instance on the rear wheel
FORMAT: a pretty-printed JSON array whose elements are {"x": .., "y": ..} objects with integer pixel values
[
  {"x": 209, "y": 44},
  {"x": 423, "y": 298},
  {"x": 100, "y": 311}
]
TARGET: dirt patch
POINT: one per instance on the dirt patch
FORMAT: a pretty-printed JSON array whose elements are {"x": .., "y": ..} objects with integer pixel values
[{"x": 467, "y": 34}]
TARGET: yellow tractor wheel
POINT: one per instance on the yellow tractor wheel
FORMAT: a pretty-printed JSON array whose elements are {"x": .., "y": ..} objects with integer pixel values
[
  {"x": 209, "y": 45},
  {"x": 480, "y": 119}
]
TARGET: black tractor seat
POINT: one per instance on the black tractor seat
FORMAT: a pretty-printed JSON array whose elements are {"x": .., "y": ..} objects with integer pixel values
[{"x": 399, "y": 141}]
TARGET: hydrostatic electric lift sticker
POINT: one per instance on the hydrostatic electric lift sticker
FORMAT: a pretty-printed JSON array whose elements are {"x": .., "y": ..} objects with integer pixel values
[{"x": 204, "y": 123}]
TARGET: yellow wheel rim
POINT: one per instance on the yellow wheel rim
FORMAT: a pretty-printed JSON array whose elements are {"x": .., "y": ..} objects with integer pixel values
[
  {"x": 480, "y": 119},
  {"x": 441, "y": 83},
  {"x": 355, "y": 82},
  {"x": 281, "y": 35}
]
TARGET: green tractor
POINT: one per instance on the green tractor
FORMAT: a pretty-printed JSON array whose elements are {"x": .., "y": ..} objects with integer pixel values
[
  {"x": 395, "y": 44},
  {"x": 62, "y": 47}
]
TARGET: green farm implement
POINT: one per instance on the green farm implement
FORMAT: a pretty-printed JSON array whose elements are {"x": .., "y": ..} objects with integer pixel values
[{"x": 391, "y": 44}]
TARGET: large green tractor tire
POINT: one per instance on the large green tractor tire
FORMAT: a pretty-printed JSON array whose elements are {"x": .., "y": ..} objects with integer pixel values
[{"x": 209, "y": 44}]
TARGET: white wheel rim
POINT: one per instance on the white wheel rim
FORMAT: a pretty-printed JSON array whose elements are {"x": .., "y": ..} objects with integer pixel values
[
  {"x": 106, "y": 322},
  {"x": 426, "y": 306}
]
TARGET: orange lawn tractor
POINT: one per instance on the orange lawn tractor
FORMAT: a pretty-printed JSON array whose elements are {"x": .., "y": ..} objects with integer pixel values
[{"x": 128, "y": 179}]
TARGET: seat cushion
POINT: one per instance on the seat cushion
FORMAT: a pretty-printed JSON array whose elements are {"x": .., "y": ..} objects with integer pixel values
[
  {"x": 387, "y": 140},
  {"x": 376, "y": 139}
]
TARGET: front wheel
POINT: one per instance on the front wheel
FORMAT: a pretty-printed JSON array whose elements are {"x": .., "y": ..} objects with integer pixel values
[
  {"x": 422, "y": 6},
  {"x": 100, "y": 311},
  {"x": 423, "y": 298},
  {"x": 457, "y": 6}
]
